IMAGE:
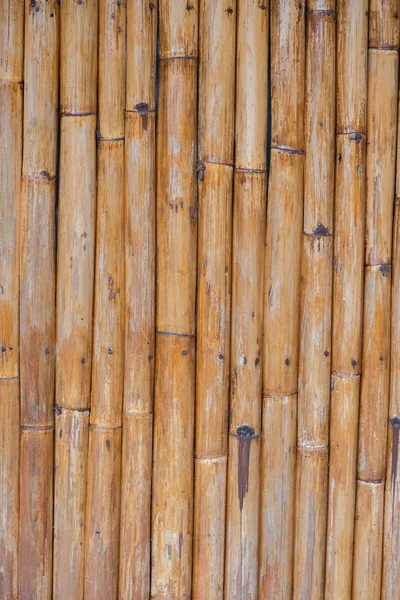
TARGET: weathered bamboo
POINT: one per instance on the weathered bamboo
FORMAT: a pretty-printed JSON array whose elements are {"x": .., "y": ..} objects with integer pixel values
[
  {"x": 215, "y": 168},
  {"x": 316, "y": 294},
  {"x": 249, "y": 213},
  {"x": 104, "y": 471},
  {"x": 140, "y": 250},
  {"x": 352, "y": 31},
  {"x": 391, "y": 538},
  {"x": 172, "y": 498},
  {"x": 381, "y": 160},
  {"x": 75, "y": 269},
  {"x": 11, "y": 120},
  {"x": 37, "y": 304},
  {"x": 282, "y": 299}
]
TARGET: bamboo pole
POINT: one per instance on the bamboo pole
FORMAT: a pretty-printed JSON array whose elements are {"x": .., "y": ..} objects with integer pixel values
[
  {"x": 391, "y": 538},
  {"x": 281, "y": 299},
  {"x": 140, "y": 250},
  {"x": 37, "y": 302},
  {"x": 75, "y": 267},
  {"x": 104, "y": 471},
  {"x": 249, "y": 213},
  {"x": 11, "y": 125},
  {"x": 215, "y": 185},
  {"x": 172, "y": 498},
  {"x": 316, "y": 296},
  {"x": 352, "y": 28}
]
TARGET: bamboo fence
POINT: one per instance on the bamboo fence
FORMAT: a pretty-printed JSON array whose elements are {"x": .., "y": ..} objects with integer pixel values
[{"x": 199, "y": 300}]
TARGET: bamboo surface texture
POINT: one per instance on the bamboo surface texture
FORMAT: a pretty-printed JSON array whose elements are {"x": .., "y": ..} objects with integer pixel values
[{"x": 199, "y": 300}]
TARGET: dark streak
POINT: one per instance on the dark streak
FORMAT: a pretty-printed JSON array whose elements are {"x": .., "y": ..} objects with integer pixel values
[
  {"x": 201, "y": 167},
  {"x": 244, "y": 434},
  {"x": 143, "y": 110},
  {"x": 395, "y": 422}
]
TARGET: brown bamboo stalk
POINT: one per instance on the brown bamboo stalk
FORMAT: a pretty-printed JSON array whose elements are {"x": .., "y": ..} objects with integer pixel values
[
  {"x": 37, "y": 304},
  {"x": 391, "y": 538},
  {"x": 104, "y": 471},
  {"x": 75, "y": 267},
  {"x": 316, "y": 294},
  {"x": 381, "y": 160},
  {"x": 172, "y": 497},
  {"x": 11, "y": 125},
  {"x": 216, "y": 125},
  {"x": 352, "y": 30},
  {"x": 249, "y": 213},
  {"x": 140, "y": 249},
  {"x": 281, "y": 298}
]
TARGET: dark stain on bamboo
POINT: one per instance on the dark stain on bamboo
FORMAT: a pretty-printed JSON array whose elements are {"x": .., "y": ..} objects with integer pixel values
[
  {"x": 395, "y": 423},
  {"x": 245, "y": 434},
  {"x": 385, "y": 269},
  {"x": 143, "y": 110},
  {"x": 320, "y": 230}
]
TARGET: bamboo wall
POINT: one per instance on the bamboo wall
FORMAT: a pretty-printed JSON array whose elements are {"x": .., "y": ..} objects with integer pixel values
[{"x": 199, "y": 300}]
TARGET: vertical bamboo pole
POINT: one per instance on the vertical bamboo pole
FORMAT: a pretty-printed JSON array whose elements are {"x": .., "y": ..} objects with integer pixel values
[
  {"x": 104, "y": 470},
  {"x": 249, "y": 213},
  {"x": 172, "y": 498},
  {"x": 352, "y": 32},
  {"x": 315, "y": 328},
  {"x": 77, "y": 194},
  {"x": 11, "y": 121},
  {"x": 216, "y": 136},
  {"x": 281, "y": 300},
  {"x": 140, "y": 250},
  {"x": 37, "y": 303}
]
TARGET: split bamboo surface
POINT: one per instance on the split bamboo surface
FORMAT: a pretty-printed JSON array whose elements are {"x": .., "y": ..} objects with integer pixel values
[{"x": 199, "y": 300}]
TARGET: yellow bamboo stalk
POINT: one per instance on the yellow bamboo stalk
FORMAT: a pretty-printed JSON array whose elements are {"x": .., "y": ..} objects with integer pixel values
[
  {"x": 140, "y": 250},
  {"x": 352, "y": 31},
  {"x": 316, "y": 294},
  {"x": 37, "y": 304},
  {"x": 215, "y": 168},
  {"x": 104, "y": 471},
  {"x": 75, "y": 268},
  {"x": 281, "y": 299},
  {"x": 172, "y": 497},
  {"x": 391, "y": 538},
  {"x": 11, "y": 125},
  {"x": 249, "y": 213}
]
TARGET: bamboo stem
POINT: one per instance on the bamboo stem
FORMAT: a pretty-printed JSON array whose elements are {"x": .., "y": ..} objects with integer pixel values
[
  {"x": 315, "y": 327},
  {"x": 11, "y": 126},
  {"x": 75, "y": 270},
  {"x": 37, "y": 305},
  {"x": 352, "y": 30},
  {"x": 215, "y": 187},
  {"x": 140, "y": 250},
  {"x": 172, "y": 520},
  {"x": 281, "y": 298},
  {"x": 249, "y": 213}
]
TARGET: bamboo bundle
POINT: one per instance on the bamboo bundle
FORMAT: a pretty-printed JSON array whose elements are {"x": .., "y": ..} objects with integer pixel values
[
  {"x": 37, "y": 308},
  {"x": 11, "y": 119},
  {"x": 348, "y": 263},
  {"x": 315, "y": 328},
  {"x": 172, "y": 498},
  {"x": 381, "y": 159},
  {"x": 104, "y": 470},
  {"x": 217, "y": 32},
  {"x": 281, "y": 299},
  {"x": 140, "y": 249},
  {"x": 249, "y": 212},
  {"x": 75, "y": 267}
]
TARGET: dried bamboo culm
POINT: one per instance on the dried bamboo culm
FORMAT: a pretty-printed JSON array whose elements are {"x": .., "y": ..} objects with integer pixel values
[
  {"x": 249, "y": 213},
  {"x": 11, "y": 126},
  {"x": 374, "y": 396},
  {"x": 217, "y": 33},
  {"x": 348, "y": 266},
  {"x": 173, "y": 468},
  {"x": 282, "y": 299},
  {"x": 37, "y": 289},
  {"x": 75, "y": 271},
  {"x": 140, "y": 250},
  {"x": 316, "y": 303}
]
